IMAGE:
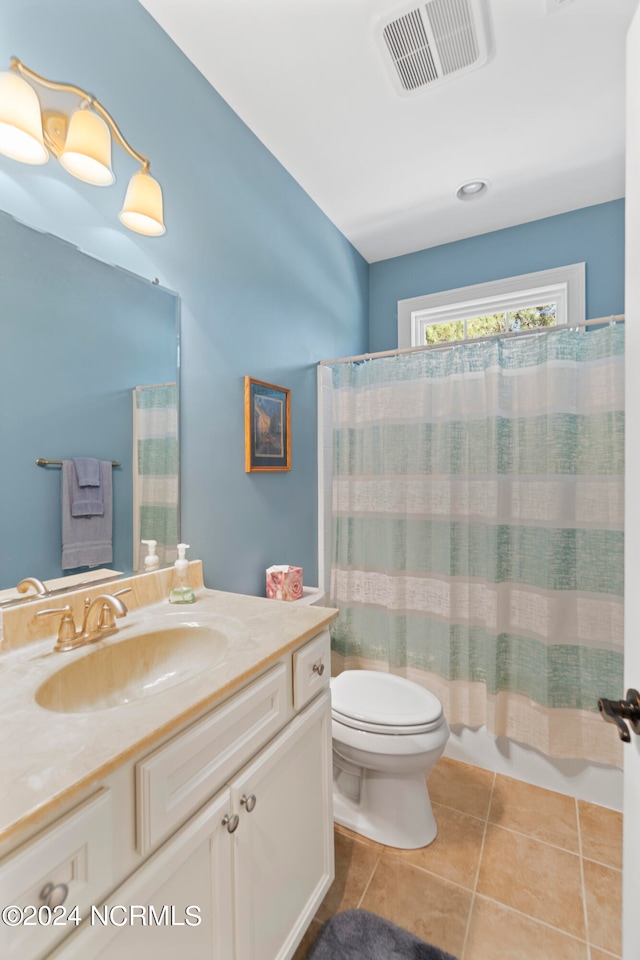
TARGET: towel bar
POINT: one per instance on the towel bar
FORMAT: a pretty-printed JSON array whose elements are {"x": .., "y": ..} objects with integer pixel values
[{"x": 58, "y": 463}]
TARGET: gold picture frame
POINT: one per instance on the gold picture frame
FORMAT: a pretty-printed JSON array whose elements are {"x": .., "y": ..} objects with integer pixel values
[{"x": 267, "y": 427}]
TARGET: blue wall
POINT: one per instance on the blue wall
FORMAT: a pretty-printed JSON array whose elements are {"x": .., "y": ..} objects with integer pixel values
[
  {"x": 593, "y": 235},
  {"x": 268, "y": 285},
  {"x": 77, "y": 335}
]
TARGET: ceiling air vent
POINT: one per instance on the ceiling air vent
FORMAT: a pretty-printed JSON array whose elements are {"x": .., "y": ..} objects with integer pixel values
[{"x": 436, "y": 40}]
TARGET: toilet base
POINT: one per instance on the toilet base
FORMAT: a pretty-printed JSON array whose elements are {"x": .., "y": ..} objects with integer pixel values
[{"x": 393, "y": 810}]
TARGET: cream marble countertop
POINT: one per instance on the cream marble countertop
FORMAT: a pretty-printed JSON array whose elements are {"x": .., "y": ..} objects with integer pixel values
[{"x": 46, "y": 756}]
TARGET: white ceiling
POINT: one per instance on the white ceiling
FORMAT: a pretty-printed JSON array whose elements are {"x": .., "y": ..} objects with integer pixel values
[{"x": 543, "y": 120}]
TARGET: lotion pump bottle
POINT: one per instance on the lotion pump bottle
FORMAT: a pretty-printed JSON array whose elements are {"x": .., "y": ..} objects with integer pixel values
[
  {"x": 151, "y": 561},
  {"x": 181, "y": 589}
]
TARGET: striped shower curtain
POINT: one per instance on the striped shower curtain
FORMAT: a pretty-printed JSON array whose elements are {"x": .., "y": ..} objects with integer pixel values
[
  {"x": 156, "y": 470},
  {"x": 478, "y": 531}
]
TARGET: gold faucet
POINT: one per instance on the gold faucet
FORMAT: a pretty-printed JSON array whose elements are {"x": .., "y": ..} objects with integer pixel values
[
  {"x": 40, "y": 588},
  {"x": 109, "y": 606}
]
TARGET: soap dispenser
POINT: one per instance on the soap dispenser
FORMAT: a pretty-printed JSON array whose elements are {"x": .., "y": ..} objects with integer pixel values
[
  {"x": 181, "y": 589},
  {"x": 151, "y": 561}
]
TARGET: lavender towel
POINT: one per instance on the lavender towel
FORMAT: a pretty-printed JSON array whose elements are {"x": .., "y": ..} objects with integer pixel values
[
  {"x": 87, "y": 471},
  {"x": 86, "y": 540},
  {"x": 86, "y": 490},
  {"x": 360, "y": 935}
]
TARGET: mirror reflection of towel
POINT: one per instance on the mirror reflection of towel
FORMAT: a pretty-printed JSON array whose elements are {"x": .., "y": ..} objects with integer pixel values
[
  {"x": 87, "y": 471},
  {"x": 86, "y": 496},
  {"x": 86, "y": 539}
]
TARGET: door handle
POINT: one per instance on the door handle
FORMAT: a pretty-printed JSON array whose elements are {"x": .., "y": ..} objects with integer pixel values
[{"x": 617, "y": 711}]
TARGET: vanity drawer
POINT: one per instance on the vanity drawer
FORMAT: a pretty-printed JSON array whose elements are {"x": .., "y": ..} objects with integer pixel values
[
  {"x": 175, "y": 780},
  {"x": 311, "y": 669},
  {"x": 68, "y": 864}
]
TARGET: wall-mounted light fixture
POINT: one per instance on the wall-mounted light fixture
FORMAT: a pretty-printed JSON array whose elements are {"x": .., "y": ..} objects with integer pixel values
[{"x": 81, "y": 141}]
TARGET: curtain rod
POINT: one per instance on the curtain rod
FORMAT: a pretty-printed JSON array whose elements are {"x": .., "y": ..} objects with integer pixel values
[{"x": 447, "y": 345}]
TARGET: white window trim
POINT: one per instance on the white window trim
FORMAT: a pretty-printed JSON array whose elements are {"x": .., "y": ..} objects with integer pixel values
[{"x": 563, "y": 285}]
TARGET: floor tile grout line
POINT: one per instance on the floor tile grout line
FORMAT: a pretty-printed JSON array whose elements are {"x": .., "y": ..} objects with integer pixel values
[
  {"x": 582, "y": 883},
  {"x": 527, "y": 916},
  {"x": 475, "y": 882},
  {"x": 368, "y": 883},
  {"x": 483, "y": 896},
  {"x": 430, "y": 873},
  {"x": 496, "y": 774},
  {"x": 530, "y": 836},
  {"x": 465, "y": 813},
  {"x": 520, "y": 833},
  {"x": 602, "y": 863}
]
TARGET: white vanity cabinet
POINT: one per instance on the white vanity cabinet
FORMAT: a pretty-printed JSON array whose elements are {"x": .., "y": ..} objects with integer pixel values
[
  {"x": 194, "y": 868},
  {"x": 283, "y": 849},
  {"x": 233, "y": 819}
]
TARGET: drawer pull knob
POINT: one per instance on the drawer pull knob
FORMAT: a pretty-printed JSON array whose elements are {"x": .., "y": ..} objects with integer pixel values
[
  {"x": 54, "y": 895},
  {"x": 248, "y": 802},
  {"x": 231, "y": 823},
  {"x": 318, "y": 668}
]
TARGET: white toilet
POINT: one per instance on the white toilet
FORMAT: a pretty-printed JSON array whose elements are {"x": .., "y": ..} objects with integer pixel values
[{"x": 387, "y": 734}]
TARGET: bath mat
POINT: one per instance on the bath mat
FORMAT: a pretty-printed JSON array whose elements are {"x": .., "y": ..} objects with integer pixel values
[{"x": 360, "y": 935}]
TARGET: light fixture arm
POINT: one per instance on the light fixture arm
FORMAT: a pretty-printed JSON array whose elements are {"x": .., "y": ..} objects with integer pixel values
[{"x": 19, "y": 67}]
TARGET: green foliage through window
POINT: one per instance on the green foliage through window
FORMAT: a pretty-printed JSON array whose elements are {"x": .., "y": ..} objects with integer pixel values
[{"x": 527, "y": 318}]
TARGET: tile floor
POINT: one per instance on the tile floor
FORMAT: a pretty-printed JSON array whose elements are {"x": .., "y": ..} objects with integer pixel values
[{"x": 515, "y": 873}]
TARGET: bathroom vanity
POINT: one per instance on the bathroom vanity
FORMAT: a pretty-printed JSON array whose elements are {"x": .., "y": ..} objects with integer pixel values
[{"x": 192, "y": 822}]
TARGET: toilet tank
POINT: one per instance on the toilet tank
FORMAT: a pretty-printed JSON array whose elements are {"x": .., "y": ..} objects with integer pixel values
[{"x": 311, "y": 596}]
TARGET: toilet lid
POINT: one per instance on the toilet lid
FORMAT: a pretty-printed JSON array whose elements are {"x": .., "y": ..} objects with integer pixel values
[{"x": 370, "y": 700}]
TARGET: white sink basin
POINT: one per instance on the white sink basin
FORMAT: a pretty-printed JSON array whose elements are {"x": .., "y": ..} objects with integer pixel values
[{"x": 140, "y": 666}]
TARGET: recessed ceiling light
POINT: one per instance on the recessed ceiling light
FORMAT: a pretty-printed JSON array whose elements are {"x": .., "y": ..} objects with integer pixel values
[{"x": 472, "y": 189}]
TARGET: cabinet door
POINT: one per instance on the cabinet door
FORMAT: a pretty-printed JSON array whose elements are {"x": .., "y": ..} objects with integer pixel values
[
  {"x": 69, "y": 862},
  {"x": 283, "y": 847},
  {"x": 192, "y": 870}
]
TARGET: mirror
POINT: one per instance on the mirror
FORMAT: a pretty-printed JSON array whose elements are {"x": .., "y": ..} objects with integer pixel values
[{"x": 77, "y": 336}]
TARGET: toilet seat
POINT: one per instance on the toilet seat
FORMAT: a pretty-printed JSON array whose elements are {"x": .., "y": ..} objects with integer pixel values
[{"x": 383, "y": 703}]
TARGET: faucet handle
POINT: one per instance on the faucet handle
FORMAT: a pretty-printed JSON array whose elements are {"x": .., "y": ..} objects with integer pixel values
[
  {"x": 67, "y": 634},
  {"x": 66, "y": 610},
  {"x": 106, "y": 620},
  {"x": 108, "y": 613}
]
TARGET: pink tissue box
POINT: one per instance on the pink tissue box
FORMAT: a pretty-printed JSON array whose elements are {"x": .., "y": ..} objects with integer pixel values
[{"x": 284, "y": 583}]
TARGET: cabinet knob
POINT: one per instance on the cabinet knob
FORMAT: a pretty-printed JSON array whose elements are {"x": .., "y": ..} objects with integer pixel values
[
  {"x": 53, "y": 894},
  {"x": 318, "y": 668},
  {"x": 248, "y": 802},
  {"x": 231, "y": 823}
]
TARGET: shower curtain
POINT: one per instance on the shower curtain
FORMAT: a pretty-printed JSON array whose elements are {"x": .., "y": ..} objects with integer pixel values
[
  {"x": 155, "y": 471},
  {"x": 477, "y": 502}
]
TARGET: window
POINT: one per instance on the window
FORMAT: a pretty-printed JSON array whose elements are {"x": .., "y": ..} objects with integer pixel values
[{"x": 546, "y": 299}]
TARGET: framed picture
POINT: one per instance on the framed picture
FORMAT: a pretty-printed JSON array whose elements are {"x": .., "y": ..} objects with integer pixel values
[{"x": 267, "y": 427}]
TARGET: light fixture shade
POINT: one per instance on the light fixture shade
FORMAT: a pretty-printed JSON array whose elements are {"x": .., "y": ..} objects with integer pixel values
[
  {"x": 20, "y": 120},
  {"x": 142, "y": 208},
  {"x": 87, "y": 149}
]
